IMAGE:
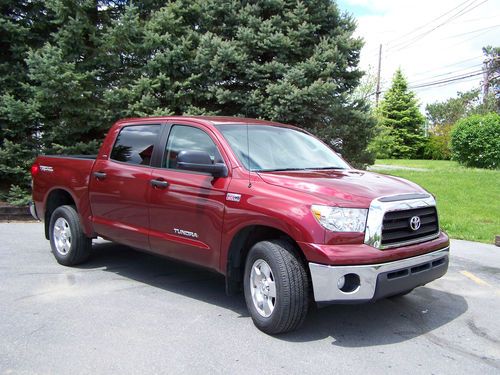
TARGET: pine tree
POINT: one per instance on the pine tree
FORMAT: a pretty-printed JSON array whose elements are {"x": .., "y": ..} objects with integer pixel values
[
  {"x": 24, "y": 25},
  {"x": 289, "y": 61},
  {"x": 97, "y": 61},
  {"x": 400, "y": 122}
]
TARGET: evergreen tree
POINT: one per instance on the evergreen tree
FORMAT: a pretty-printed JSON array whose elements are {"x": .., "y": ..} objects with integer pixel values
[
  {"x": 24, "y": 25},
  {"x": 287, "y": 61},
  {"x": 400, "y": 123},
  {"x": 98, "y": 61}
]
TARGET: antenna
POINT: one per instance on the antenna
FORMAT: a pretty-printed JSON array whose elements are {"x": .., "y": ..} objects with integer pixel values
[{"x": 248, "y": 157}]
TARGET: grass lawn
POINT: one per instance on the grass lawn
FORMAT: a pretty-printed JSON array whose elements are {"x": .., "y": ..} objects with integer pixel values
[{"x": 468, "y": 199}]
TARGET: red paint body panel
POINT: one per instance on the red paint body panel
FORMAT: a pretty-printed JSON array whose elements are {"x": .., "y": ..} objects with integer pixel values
[
  {"x": 342, "y": 255},
  {"x": 347, "y": 188},
  {"x": 120, "y": 203},
  {"x": 192, "y": 202},
  {"x": 125, "y": 207},
  {"x": 69, "y": 174}
]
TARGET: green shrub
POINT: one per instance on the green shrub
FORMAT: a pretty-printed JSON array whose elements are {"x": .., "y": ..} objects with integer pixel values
[
  {"x": 475, "y": 141},
  {"x": 18, "y": 196},
  {"x": 438, "y": 143},
  {"x": 437, "y": 148}
]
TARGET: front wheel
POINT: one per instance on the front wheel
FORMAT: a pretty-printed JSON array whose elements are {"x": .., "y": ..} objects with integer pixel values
[
  {"x": 276, "y": 287},
  {"x": 70, "y": 245}
]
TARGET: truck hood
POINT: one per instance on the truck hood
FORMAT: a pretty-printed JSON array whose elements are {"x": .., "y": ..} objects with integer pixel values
[{"x": 347, "y": 188}]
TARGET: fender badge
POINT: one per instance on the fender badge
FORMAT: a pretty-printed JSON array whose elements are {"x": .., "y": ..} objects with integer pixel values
[
  {"x": 233, "y": 197},
  {"x": 45, "y": 168}
]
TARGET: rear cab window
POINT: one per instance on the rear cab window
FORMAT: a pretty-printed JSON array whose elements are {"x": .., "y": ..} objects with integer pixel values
[{"x": 135, "y": 144}]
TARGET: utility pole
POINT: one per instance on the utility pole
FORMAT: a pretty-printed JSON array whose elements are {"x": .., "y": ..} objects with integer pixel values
[
  {"x": 377, "y": 93},
  {"x": 486, "y": 83}
]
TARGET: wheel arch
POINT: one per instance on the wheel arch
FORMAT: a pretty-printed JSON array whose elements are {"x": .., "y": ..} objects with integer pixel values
[
  {"x": 240, "y": 245},
  {"x": 56, "y": 198}
]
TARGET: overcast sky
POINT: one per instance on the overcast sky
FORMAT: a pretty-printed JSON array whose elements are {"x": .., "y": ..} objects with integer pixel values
[{"x": 431, "y": 40}]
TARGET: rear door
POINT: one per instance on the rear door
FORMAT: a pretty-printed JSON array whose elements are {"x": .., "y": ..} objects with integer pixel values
[
  {"x": 120, "y": 185},
  {"x": 186, "y": 214}
]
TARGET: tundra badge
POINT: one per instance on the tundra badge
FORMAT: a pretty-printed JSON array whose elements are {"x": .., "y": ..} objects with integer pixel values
[
  {"x": 46, "y": 168},
  {"x": 186, "y": 233}
]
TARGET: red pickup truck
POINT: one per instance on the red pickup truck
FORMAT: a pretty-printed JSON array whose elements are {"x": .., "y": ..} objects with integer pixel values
[{"x": 268, "y": 205}]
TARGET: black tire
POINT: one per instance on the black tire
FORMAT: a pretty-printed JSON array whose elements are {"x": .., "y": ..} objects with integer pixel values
[
  {"x": 78, "y": 250},
  {"x": 291, "y": 283}
]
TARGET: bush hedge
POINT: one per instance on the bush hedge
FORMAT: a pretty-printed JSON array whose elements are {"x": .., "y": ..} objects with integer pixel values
[
  {"x": 437, "y": 146},
  {"x": 475, "y": 141}
]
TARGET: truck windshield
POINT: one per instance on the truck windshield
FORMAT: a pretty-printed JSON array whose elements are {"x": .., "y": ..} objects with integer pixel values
[{"x": 274, "y": 148}]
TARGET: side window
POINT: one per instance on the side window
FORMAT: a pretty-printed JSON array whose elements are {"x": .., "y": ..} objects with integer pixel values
[
  {"x": 135, "y": 144},
  {"x": 188, "y": 138}
]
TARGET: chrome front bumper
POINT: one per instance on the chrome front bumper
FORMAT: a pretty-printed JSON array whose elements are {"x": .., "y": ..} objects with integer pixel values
[{"x": 371, "y": 282}]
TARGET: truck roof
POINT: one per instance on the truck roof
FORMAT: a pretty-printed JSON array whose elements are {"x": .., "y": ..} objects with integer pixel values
[{"x": 214, "y": 120}]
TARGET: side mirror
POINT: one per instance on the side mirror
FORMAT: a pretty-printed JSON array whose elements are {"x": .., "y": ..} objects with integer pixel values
[{"x": 200, "y": 161}]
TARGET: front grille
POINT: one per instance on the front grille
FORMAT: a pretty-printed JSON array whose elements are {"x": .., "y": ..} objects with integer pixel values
[{"x": 396, "y": 227}]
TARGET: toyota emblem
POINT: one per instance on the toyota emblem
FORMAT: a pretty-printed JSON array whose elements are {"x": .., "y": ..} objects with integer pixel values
[{"x": 415, "y": 223}]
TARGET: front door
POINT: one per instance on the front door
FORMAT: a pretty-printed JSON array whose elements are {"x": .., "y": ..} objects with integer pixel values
[
  {"x": 119, "y": 187},
  {"x": 187, "y": 210}
]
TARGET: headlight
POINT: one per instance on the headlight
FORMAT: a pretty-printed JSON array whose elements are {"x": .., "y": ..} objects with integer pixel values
[{"x": 338, "y": 219}]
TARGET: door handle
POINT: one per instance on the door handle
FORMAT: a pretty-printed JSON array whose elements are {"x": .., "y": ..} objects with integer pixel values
[
  {"x": 159, "y": 184},
  {"x": 100, "y": 175}
]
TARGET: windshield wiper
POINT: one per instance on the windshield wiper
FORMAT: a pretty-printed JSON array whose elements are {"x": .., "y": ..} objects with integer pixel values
[
  {"x": 281, "y": 169},
  {"x": 320, "y": 168},
  {"x": 296, "y": 169}
]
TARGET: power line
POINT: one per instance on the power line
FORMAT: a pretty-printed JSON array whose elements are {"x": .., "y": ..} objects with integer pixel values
[
  {"x": 464, "y": 69},
  {"x": 465, "y": 80},
  {"x": 430, "y": 22},
  {"x": 466, "y": 9},
  {"x": 480, "y": 19},
  {"x": 448, "y": 77},
  {"x": 461, "y": 9},
  {"x": 461, "y": 71},
  {"x": 452, "y": 79},
  {"x": 441, "y": 68},
  {"x": 422, "y": 26},
  {"x": 462, "y": 78},
  {"x": 469, "y": 39},
  {"x": 473, "y": 31}
]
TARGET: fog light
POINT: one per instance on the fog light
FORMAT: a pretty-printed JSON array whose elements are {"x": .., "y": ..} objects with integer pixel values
[{"x": 349, "y": 283}]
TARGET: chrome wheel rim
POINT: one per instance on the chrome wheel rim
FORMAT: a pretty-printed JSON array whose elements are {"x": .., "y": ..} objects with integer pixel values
[
  {"x": 263, "y": 288},
  {"x": 62, "y": 236}
]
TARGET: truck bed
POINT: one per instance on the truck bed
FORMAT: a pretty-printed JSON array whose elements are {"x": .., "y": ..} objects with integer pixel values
[{"x": 63, "y": 171}]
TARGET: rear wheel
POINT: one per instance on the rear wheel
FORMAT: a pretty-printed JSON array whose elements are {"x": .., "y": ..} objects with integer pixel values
[
  {"x": 276, "y": 287},
  {"x": 69, "y": 244}
]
